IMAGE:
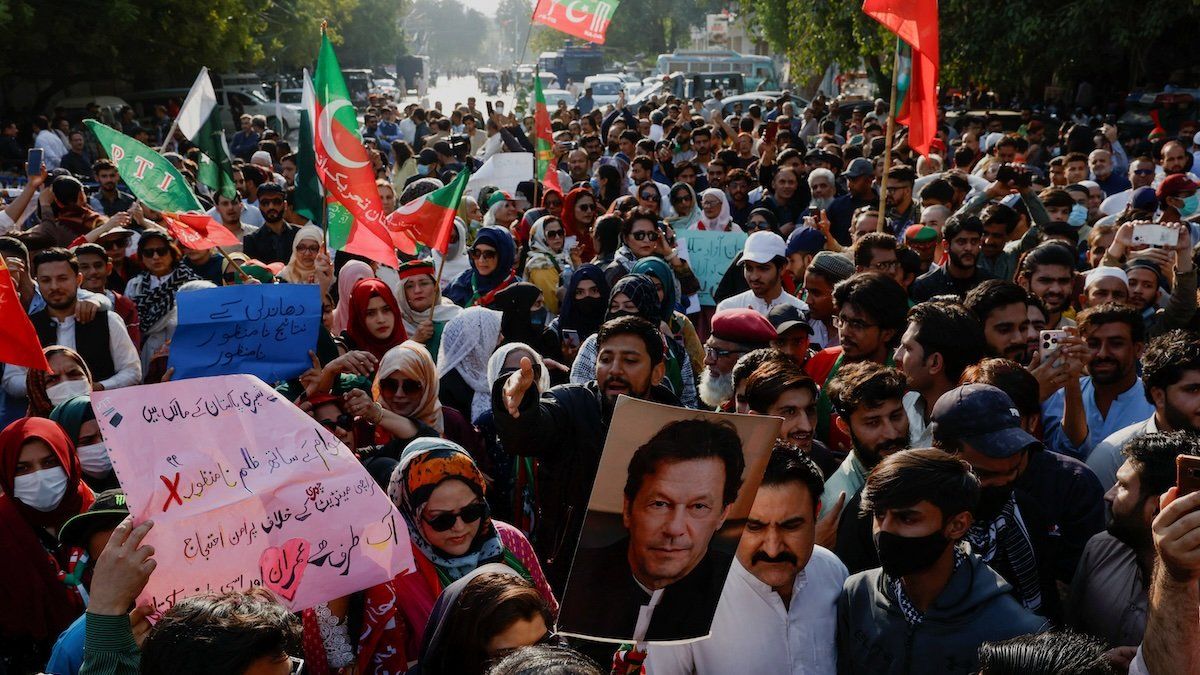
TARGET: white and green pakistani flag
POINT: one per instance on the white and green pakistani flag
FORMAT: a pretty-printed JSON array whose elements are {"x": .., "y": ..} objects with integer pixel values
[{"x": 200, "y": 122}]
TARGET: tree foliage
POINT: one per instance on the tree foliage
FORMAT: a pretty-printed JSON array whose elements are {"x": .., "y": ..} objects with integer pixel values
[{"x": 446, "y": 31}]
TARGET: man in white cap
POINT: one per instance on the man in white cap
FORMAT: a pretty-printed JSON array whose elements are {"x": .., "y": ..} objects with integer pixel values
[
  {"x": 1105, "y": 284},
  {"x": 763, "y": 261}
]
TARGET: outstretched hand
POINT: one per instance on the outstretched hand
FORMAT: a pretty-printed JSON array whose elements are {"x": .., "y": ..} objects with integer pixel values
[
  {"x": 122, "y": 570},
  {"x": 518, "y": 383}
]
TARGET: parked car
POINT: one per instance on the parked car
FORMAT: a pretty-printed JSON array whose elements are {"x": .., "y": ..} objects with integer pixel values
[
  {"x": 553, "y": 96},
  {"x": 605, "y": 88}
]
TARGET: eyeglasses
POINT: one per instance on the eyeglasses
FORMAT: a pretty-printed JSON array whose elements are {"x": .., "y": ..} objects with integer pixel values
[
  {"x": 480, "y": 254},
  {"x": 308, "y": 249},
  {"x": 469, "y": 514},
  {"x": 651, "y": 197},
  {"x": 756, "y": 225},
  {"x": 554, "y": 234},
  {"x": 156, "y": 252},
  {"x": 586, "y": 206},
  {"x": 643, "y": 235},
  {"x": 853, "y": 325},
  {"x": 343, "y": 421},
  {"x": 390, "y": 386},
  {"x": 885, "y": 265},
  {"x": 719, "y": 353}
]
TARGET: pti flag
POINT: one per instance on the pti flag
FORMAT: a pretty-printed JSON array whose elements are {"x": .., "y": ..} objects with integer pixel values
[
  {"x": 587, "y": 19},
  {"x": 430, "y": 218},
  {"x": 345, "y": 167},
  {"x": 198, "y": 231},
  {"x": 150, "y": 177},
  {"x": 200, "y": 122},
  {"x": 20, "y": 345},
  {"x": 547, "y": 172},
  {"x": 915, "y": 22},
  {"x": 310, "y": 198}
]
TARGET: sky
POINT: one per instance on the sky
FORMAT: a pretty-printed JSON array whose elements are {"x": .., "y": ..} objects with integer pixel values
[{"x": 488, "y": 7}]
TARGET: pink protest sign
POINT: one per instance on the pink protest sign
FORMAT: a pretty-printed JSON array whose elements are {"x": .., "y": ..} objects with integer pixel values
[{"x": 246, "y": 490}]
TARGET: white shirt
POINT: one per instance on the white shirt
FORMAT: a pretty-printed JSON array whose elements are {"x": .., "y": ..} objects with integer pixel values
[
  {"x": 749, "y": 300},
  {"x": 920, "y": 434},
  {"x": 52, "y": 147},
  {"x": 126, "y": 362},
  {"x": 250, "y": 216},
  {"x": 754, "y": 632}
]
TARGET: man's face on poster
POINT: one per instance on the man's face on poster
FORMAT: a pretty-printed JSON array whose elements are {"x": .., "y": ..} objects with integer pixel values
[{"x": 672, "y": 518}]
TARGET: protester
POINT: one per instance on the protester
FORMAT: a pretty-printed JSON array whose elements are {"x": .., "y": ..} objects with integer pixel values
[
  {"x": 941, "y": 341},
  {"x": 423, "y": 309},
  {"x": 467, "y": 342},
  {"x": 347, "y": 277},
  {"x": 583, "y": 309},
  {"x": 155, "y": 289},
  {"x": 374, "y": 324},
  {"x": 308, "y": 263},
  {"x": 734, "y": 332},
  {"x": 548, "y": 264},
  {"x": 67, "y": 378},
  {"x": 78, "y": 420},
  {"x": 492, "y": 258}
]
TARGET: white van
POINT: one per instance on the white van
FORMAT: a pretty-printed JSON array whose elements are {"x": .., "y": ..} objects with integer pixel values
[{"x": 605, "y": 88}]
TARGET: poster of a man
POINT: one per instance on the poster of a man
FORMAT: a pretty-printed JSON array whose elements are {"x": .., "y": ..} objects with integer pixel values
[{"x": 663, "y": 521}]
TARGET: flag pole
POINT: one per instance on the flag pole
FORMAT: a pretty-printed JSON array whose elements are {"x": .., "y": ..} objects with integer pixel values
[
  {"x": 437, "y": 286},
  {"x": 236, "y": 266},
  {"x": 887, "y": 148},
  {"x": 170, "y": 134}
]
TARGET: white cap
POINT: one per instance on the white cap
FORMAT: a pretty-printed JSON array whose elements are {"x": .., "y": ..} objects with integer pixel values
[
  {"x": 1196, "y": 138},
  {"x": 1106, "y": 273},
  {"x": 763, "y": 247},
  {"x": 261, "y": 158}
]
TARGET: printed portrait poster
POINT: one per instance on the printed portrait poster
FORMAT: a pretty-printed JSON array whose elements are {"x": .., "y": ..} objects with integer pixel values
[
  {"x": 671, "y": 496},
  {"x": 247, "y": 491}
]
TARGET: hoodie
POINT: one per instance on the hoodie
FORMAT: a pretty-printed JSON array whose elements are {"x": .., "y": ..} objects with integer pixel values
[{"x": 976, "y": 606}]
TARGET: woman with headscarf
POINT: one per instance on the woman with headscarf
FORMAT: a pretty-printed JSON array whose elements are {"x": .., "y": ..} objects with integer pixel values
[
  {"x": 635, "y": 295},
  {"x": 579, "y": 213},
  {"x": 351, "y": 273},
  {"x": 306, "y": 265},
  {"x": 714, "y": 211},
  {"x": 472, "y": 218},
  {"x": 687, "y": 211},
  {"x": 668, "y": 291},
  {"x": 41, "y": 487},
  {"x": 606, "y": 238},
  {"x": 76, "y": 417},
  {"x": 467, "y": 342},
  {"x": 526, "y": 320},
  {"x": 154, "y": 290},
  {"x": 375, "y": 324},
  {"x": 419, "y": 293},
  {"x": 68, "y": 377},
  {"x": 583, "y": 308},
  {"x": 456, "y": 261},
  {"x": 548, "y": 264},
  {"x": 492, "y": 258}
]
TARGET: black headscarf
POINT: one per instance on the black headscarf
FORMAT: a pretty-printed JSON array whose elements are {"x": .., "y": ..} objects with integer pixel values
[
  {"x": 514, "y": 302},
  {"x": 640, "y": 289},
  {"x": 584, "y": 316}
]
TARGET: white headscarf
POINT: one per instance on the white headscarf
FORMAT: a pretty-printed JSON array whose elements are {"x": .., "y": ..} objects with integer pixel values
[
  {"x": 289, "y": 273},
  {"x": 456, "y": 261},
  {"x": 496, "y": 364},
  {"x": 443, "y": 311},
  {"x": 468, "y": 341},
  {"x": 723, "y": 219},
  {"x": 351, "y": 273},
  {"x": 541, "y": 256}
]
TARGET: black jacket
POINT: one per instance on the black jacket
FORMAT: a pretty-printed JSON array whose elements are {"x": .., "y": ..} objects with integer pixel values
[{"x": 939, "y": 282}]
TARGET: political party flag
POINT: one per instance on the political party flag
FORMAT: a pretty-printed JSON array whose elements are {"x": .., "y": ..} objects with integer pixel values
[
  {"x": 150, "y": 177},
  {"x": 200, "y": 122},
  {"x": 344, "y": 166},
  {"x": 198, "y": 231},
  {"x": 915, "y": 23},
  {"x": 19, "y": 344},
  {"x": 587, "y": 19},
  {"x": 429, "y": 218},
  {"x": 310, "y": 198},
  {"x": 543, "y": 147}
]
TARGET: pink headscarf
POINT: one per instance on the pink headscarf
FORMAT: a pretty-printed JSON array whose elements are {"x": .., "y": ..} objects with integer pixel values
[{"x": 351, "y": 273}]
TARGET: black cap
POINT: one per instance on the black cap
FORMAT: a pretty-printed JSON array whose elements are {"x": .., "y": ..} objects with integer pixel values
[
  {"x": 984, "y": 418},
  {"x": 786, "y": 317},
  {"x": 427, "y": 156},
  {"x": 105, "y": 513},
  {"x": 442, "y": 148}
]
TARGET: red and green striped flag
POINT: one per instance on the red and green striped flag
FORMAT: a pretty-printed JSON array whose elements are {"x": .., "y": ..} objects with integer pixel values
[
  {"x": 915, "y": 23},
  {"x": 543, "y": 144},
  {"x": 429, "y": 218},
  {"x": 344, "y": 166}
]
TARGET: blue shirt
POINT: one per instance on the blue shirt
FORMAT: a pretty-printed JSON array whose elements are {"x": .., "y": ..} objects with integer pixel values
[
  {"x": 67, "y": 656},
  {"x": 1129, "y": 407}
]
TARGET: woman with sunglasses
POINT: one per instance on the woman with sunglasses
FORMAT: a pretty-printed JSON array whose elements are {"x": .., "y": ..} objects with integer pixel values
[
  {"x": 683, "y": 202},
  {"x": 154, "y": 290},
  {"x": 579, "y": 213},
  {"x": 549, "y": 263},
  {"x": 649, "y": 198},
  {"x": 309, "y": 263},
  {"x": 492, "y": 258}
]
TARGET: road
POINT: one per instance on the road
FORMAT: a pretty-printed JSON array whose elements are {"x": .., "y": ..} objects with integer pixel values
[{"x": 451, "y": 91}]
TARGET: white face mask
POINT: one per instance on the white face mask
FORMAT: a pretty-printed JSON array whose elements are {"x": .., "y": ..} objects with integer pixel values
[
  {"x": 67, "y": 390},
  {"x": 42, "y": 490},
  {"x": 94, "y": 459}
]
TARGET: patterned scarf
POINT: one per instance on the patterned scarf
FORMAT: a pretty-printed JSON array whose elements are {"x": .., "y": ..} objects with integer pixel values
[
  {"x": 155, "y": 304},
  {"x": 1004, "y": 543}
]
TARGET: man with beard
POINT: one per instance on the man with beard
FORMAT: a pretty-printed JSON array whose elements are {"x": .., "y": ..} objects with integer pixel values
[
  {"x": 273, "y": 241},
  {"x": 823, "y": 187},
  {"x": 1002, "y": 308},
  {"x": 1091, "y": 408},
  {"x": 778, "y": 609},
  {"x": 1148, "y": 281},
  {"x": 902, "y": 211},
  {"x": 95, "y": 267},
  {"x": 963, "y": 236},
  {"x": 1108, "y": 596},
  {"x": 780, "y": 388},
  {"x": 1029, "y": 533},
  {"x": 108, "y": 199},
  {"x": 1048, "y": 271},
  {"x": 737, "y": 188},
  {"x": 931, "y": 604},
  {"x": 1171, "y": 377},
  {"x": 228, "y": 212},
  {"x": 734, "y": 332},
  {"x": 565, "y": 428},
  {"x": 860, "y": 175},
  {"x": 764, "y": 257}
]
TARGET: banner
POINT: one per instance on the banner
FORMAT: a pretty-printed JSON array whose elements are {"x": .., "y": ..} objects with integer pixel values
[
  {"x": 245, "y": 491},
  {"x": 587, "y": 19},
  {"x": 504, "y": 170},
  {"x": 265, "y": 330},
  {"x": 710, "y": 254}
]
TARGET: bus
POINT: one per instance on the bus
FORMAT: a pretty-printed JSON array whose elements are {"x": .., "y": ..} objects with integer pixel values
[
  {"x": 572, "y": 63},
  {"x": 758, "y": 72}
]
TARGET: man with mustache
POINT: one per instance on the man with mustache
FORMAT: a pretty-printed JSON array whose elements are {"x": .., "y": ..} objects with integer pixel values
[
  {"x": 780, "y": 388},
  {"x": 1048, "y": 271},
  {"x": 778, "y": 610},
  {"x": 1111, "y": 397},
  {"x": 1002, "y": 308},
  {"x": 565, "y": 427},
  {"x": 273, "y": 241},
  {"x": 734, "y": 332},
  {"x": 963, "y": 236}
]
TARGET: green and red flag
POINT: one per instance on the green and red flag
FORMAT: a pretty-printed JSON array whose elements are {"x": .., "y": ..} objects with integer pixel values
[
  {"x": 19, "y": 344},
  {"x": 344, "y": 166},
  {"x": 587, "y": 19},
  {"x": 310, "y": 198},
  {"x": 198, "y": 231},
  {"x": 915, "y": 23},
  {"x": 199, "y": 120},
  {"x": 429, "y": 218},
  {"x": 543, "y": 144},
  {"x": 150, "y": 177}
]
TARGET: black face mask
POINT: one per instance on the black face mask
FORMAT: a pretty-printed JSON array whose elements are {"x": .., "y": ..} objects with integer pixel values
[
  {"x": 992, "y": 499},
  {"x": 900, "y": 556},
  {"x": 588, "y": 307},
  {"x": 618, "y": 314}
]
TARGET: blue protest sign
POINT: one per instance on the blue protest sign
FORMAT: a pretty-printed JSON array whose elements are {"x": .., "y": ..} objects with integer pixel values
[
  {"x": 709, "y": 254},
  {"x": 261, "y": 329}
]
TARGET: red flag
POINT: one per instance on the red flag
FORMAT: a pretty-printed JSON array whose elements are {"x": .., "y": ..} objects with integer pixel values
[
  {"x": 543, "y": 142},
  {"x": 430, "y": 218},
  {"x": 198, "y": 230},
  {"x": 20, "y": 345},
  {"x": 587, "y": 19},
  {"x": 916, "y": 23}
]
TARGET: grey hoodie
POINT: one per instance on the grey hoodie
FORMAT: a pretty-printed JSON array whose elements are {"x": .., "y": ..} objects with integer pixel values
[{"x": 975, "y": 607}]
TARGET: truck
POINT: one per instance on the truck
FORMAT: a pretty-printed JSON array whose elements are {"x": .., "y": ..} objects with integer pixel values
[{"x": 572, "y": 63}]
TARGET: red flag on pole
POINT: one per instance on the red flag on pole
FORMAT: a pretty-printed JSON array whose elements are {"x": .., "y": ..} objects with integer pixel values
[
  {"x": 543, "y": 143},
  {"x": 198, "y": 230},
  {"x": 587, "y": 19},
  {"x": 916, "y": 23},
  {"x": 19, "y": 344}
]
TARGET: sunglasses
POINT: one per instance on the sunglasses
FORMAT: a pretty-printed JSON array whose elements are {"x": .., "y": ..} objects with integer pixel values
[
  {"x": 644, "y": 235},
  {"x": 409, "y": 387},
  {"x": 155, "y": 252},
  {"x": 757, "y": 225},
  {"x": 1143, "y": 172},
  {"x": 344, "y": 421},
  {"x": 469, "y": 514},
  {"x": 270, "y": 202},
  {"x": 586, "y": 207},
  {"x": 554, "y": 233},
  {"x": 655, "y": 197},
  {"x": 123, "y": 242},
  {"x": 480, "y": 254}
]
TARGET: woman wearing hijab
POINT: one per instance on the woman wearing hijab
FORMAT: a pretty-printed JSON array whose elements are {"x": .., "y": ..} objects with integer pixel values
[
  {"x": 375, "y": 324},
  {"x": 668, "y": 292},
  {"x": 492, "y": 258},
  {"x": 525, "y": 318},
  {"x": 579, "y": 213},
  {"x": 714, "y": 208},
  {"x": 154, "y": 290},
  {"x": 472, "y": 217},
  {"x": 549, "y": 263},
  {"x": 351, "y": 273},
  {"x": 68, "y": 377},
  {"x": 41, "y": 487},
  {"x": 303, "y": 266},
  {"x": 76, "y": 418},
  {"x": 583, "y": 308},
  {"x": 467, "y": 343},
  {"x": 683, "y": 201},
  {"x": 606, "y": 238},
  {"x": 635, "y": 295},
  {"x": 419, "y": 293},
  {"x": 456, "y": 261}
]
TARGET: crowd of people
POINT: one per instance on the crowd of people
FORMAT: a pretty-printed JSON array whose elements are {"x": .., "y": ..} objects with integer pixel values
[{"x": 985, "y": 375}]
